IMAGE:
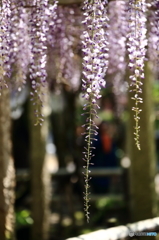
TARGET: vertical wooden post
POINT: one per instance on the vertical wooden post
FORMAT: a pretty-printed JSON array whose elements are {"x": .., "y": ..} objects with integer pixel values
[
  {"x": 40, "y": 180},
  {"x": 143, "y": 162},
  {"x": 7, "y": 172}
]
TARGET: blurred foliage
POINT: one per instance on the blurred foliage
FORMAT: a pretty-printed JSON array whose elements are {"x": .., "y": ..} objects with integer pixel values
[
  {"x": 23, "y": 218},
  {"x": 104, "y": 209},
  {"x": 108, "y": 203},
  {"x": 86, "y": 230},
  {"x": 156, "y": 92}
]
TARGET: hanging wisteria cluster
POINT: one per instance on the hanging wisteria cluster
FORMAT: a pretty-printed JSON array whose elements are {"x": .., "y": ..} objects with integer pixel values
[
  {"x": 5, "y": 18},
  {"x": 65, "y": 42},
  {"x": 117, "y": 33},
  {"x": 95, "y": 64},
  {"x": 30, "y": 28},
  {"x": 156, "y": 3},
  {"x": 153, "y": 36},
  {"x": 137, "y": 43},
  {"x": 38, "y": 31},
  {"x": 24, "y": 27},
  {"x": 20, "y": 56},
  {"x": 117, "y": 36}
]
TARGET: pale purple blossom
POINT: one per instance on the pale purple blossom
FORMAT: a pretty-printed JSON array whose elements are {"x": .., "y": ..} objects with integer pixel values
[
  {"x": 38, "y": 30},
  {"x": 153, "y": 36},
  {"x": 95, "y": 64},
  {"x": 95, "y": 49},
  {"x": 117, "y": 47},
  {"x": 52, "y": 19},
  {"x": 5, "y": 13},
  {"x": 20, "y": 54},
  {"x": 64, "y": 39},
  {"x": 137, "y": 47}
]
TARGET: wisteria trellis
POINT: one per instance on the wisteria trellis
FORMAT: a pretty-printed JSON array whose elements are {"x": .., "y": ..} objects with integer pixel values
[{"x": 28, "y": 27}]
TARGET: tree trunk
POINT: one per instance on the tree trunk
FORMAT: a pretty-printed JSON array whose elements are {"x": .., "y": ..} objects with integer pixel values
[
  {"x": 63, "y": 123},
  {"x": 40, "y": 180},
  {"x": 143, "y": 163},
  {"x": 7, "y": 173}
]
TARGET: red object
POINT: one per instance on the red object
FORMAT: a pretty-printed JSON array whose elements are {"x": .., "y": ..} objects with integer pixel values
[{"x": 106, "y": 142}]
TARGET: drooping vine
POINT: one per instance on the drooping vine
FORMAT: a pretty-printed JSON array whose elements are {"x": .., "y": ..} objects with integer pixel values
[
  {"x": 65, "y": 42},
  {"x": 153, "y": 36},
  {"x": 38, "y": 31},
  {"x": 117, "y": 49},
  {"x": 5, "y": 12},
  {"x": 157, "y": 28},
  {"x": 52, "y": 17},
  {"x": 137, "y": 43},
  {"x": 95, "y": 63},
  {"x": 20, "y": 45}
]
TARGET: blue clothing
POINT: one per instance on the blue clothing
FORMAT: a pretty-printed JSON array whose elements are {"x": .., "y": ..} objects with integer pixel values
[{"x": 105, "y": 160}]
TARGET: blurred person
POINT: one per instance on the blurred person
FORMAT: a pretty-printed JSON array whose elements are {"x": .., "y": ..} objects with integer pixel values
[{"x": 104, "y": 156}]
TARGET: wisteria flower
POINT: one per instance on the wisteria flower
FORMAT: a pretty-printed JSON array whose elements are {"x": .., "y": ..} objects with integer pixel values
[
  {"x": 153, "y": 36},
  {"x": 95, "y": 64},
  {"x": 137, "y": 43},
  {"x": 117, "y": 47},
  {"x": 5, "y": 12},
  {"x": 65, "y": 41},
  {"x": 20, "y": 55},
  {"x": 38, "y": 31}
]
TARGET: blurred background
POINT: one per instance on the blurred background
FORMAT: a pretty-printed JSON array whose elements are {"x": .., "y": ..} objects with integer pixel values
[{"x": 52, "y": 166}]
